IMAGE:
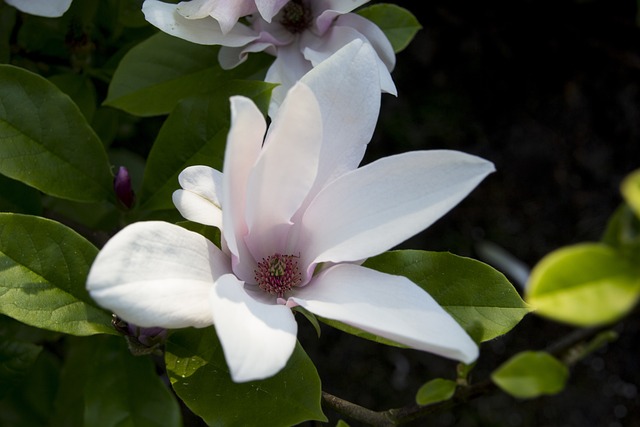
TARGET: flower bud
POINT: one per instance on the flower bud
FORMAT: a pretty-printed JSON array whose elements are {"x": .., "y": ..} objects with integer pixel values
[{"x": 122, "y": 187}]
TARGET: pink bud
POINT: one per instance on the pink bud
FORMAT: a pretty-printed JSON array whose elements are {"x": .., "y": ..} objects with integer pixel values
[{"x": 122, "y": 187}]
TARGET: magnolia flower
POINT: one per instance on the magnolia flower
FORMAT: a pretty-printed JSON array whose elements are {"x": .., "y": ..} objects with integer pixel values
[
  {"x": 302, "y": 35},
  {"x": 46, "y": 8},
  {"x": 297, "y": 216}
]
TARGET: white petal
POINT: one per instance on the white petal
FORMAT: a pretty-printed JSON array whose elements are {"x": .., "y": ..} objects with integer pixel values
[
  {"x": 348, "y": 92},
  {"x": 244, "y": 144},
  {"x": 389, "y": 306},
  {"x": 46, "y": 8},
  {"x": 157, "y": 274},
  {"x": 196, "y": 9},
  {"x": 257, "y": 338},
  {"x": 284, "y": 172},
  {"x": 269, "y": 8},
  {"x": 343, "y": 6},
  {"x": 287, "y": 69},
  {"x": 227, "y": 13},
  {"x": 199, "y": 200},
  {"x": 378, "y": 206},
  {"x": 205, "y": 31},
  {"x": 373, "y": 34}
]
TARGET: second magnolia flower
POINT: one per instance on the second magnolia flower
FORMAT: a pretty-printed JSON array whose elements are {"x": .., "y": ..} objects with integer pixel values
[{"x": 297, "y": 216}]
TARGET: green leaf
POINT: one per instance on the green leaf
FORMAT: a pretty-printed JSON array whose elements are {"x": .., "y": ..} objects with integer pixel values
[
  {"x": 623, "y": 233},
  {"x": 16, "y": 359},
  {"x": 43, "y": 268},
  {"x": 17, "y": 197},
  {"x": 31, "y": 404},
  {"x": 46, "y": 141},
  {"x": 584, "y": 284},
  {"x": 7, "y": 22},
  {"x": 103, "y": 384},
  {"x": 630, "y": 189},
  {"x": 199, "y": 375},
  {"x": 479, "y": 297},
  {"x": 194, "y": 134},
  {"x": 80, "y": 89},
  {"x": 156, "y": 74},
  {"x": 530, "y": 374},
  {"x": 434, "y": 391},
  {"x": 397, "y": 23}
]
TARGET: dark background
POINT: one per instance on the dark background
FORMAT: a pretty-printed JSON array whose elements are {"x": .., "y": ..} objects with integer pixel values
[{"x": 550, "y": 92}]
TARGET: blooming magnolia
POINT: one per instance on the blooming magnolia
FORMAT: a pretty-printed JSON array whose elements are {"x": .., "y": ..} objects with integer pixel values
[
  {"x": 297, "y": 215},
  {"x": 302, "y": 35},
  {"x": 46, "y": 8}
]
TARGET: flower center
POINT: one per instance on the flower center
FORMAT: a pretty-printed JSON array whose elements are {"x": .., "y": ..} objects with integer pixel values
[
  {"x": 277, "y": 274},
  {"x": 296, "y": 16}
]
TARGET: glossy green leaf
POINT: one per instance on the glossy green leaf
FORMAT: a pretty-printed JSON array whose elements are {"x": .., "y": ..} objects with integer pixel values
[
  {"x": 194, "y": 134},
  {"x": 630, "y": 189},
  {"x": 397, "y": 23},
  {"x": 530, "y": 374},
  {"x": 156, "y": 74},
  {"x": 585, "y": 284},
  {"x": 479, "y": 297},
  {"x": 43, "y": 268},
  {"x": 46, "y": 141},
  {"x": 435, "y": 391},
  {"x": 199, "y": 375}
]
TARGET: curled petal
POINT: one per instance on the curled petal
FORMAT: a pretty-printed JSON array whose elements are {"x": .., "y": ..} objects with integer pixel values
[
  {"x": 257, "y": 338},
  {"x": 269, "y": 8},
  {"x": 157, "y": 274},
  {"x": 389, "y": 306},
  {"x": 205, "y": 31}
]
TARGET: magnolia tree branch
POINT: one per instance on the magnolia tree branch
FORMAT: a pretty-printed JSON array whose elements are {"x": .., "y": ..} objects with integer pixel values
[{"x": 569, "y": 349}]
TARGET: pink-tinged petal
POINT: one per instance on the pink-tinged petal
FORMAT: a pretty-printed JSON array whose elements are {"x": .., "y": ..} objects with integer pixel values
[
  {"x": 46, "y": 8},
  {"x": 348, "y": 92},
  {"x": 269, "y": 8},
  {"x": 257, "y": 338},
  {"x": 205, "y": 31},
  {"x": 287, "y": 69},
  {"x": 376, "y": 207},
  {"x": 342, "y": 6},
  {"x": 389, "y": 306},
  {"x": 157, "y": 274},
  {"x": 244, "y": 143},
  {"x": 284, "y": 172}
]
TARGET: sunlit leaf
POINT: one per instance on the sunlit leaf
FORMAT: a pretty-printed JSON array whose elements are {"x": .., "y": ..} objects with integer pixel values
[
  {"x": 631, "y": 191},
  {"x": 162, "y": 70},
  {"x": 479, "y": 297},
  {"x": 199, "y": 375},
  {"x": 530, "y": 374},
  {"x": 397, "y": 23},
  {"x": 43, "y": 268},
  {"x": 435, "y": 391},
  {"x": 623, "y": 233},
  {"x": 194, "y": 134},
  {"x": 46, "y": 141},
  {"x": 585, "y": 284}
]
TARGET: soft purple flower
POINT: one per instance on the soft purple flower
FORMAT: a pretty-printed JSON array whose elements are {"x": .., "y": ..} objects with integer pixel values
[
  {"x": 297, "y": 217},
  {"x": 46, "y": 8},
  {"x": 302, "y": 35}
]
